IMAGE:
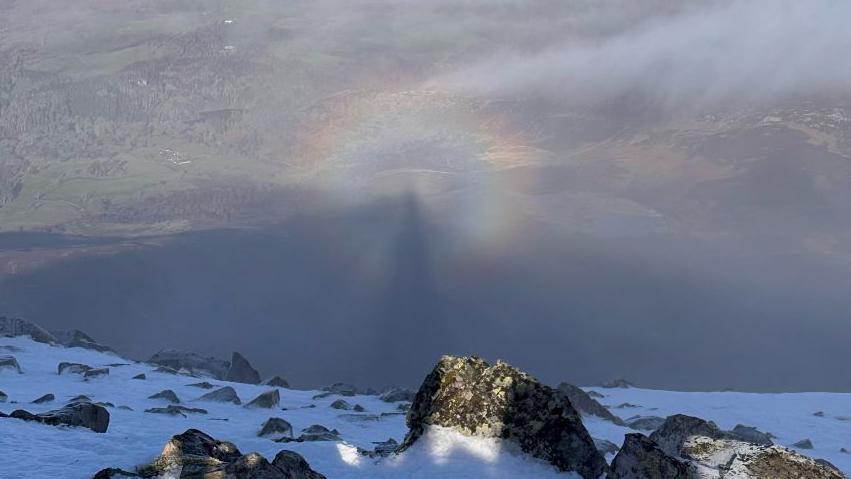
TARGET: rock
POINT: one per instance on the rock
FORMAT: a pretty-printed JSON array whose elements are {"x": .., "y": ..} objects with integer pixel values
[
  {"x": 202, "y": 385},
  {"x": 641, "y": 458},
  {"x": 192, "y": 362},
  {"x": 105, "y": 404},
  {"x": 843, "y": 450},
  {"x": 114, "y": 473},
  {"x": 125, "y": 408},
  {"x": 80, "y": 398},
  {"x": 3, "y": 396},
  {"x": 341, "y": 404},
  {"x": 276, "y": 428},
  {"x": 583, "y": 402},
  {"x": 358, "y": 408},
  {"x": 96, "y": 373},
  {"x": 225, "y": 394},
  {"x": 166, "y": 394},
  {"x": 173, "y": 410},
  {"x": 626, "y": 405},
  {"x": 140, "y": 376},
  {"x": 342, "y": 389},
  {"x": 278, "y": 382},
  {"x": 267, "y": 400},
  {"x": 383, "y": 448},
  {"x": 673, "y": 433},
  {"x": 318, "y": 432},
  {"x": 398, "y": 395},
  {"x": 752, "y": 435},
  {"x": 477, "y": 399},
  {"x": 74, "y": 338},
  {"x": 166, "y": 370},
  {"x": 322, "y": 395},
  {"x": 80, "y": 414},
  {"x": 404, "y": 407},
  {"x": 644, "y": 423},
  {"x": 294, "y": 466},
  {"x": 9, "y": 363},
  {"x": 775, "y": 462},
  {"x": 43, "y": 399},
  {"x": 605, "y": 447},
  {"x": 803, "y": 444},
  {"x": 818, "y": 414},
  {"x": 595, "y": 394},
  {"x": 72, "y": 368},
  {"x": 241, "y": 371},
  {"x": 18, "y": 327},
  {"x": 196, "y": 455},
  {"x": 617, "y": 384}
]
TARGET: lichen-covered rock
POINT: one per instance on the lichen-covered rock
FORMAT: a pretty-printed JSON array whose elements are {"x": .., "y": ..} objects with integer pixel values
[
  {"x": 241, "y": 371},
  {"x": 20, "y": 327},
  {"x": 192, "y": 362},
  {"x": 266, "y": 400},
  {"x": 74, "y": 338},
  {"x": 10, "y": 364},
  {"x": 677, "y": 429},
  {"x": 584, "y": 403},
  {"x": 276, "y": 428},
  {"x": 81, "y": 414},
  {"x": 478, "y": 399},
  {"x": 72, "y": 368},
  {"x": 225, "y": 394},
  {"x": 278, "y": 382},
  {"x": 167, "y": 395},
  {"x": 641, "y": 458}
]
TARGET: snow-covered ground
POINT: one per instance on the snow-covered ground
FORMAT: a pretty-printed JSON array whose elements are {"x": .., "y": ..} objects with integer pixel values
[{"x": 32, "y": 450}]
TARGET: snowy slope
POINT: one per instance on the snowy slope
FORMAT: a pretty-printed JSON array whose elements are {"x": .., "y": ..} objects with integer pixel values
[{"x": 32, "y": 450}]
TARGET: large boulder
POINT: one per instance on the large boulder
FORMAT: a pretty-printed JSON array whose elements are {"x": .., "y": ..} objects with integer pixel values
[
  {"x": 192, "y": 362},
  {"x": 478, "y": 399},
  {"x": 584, "y": 403},
  {"x": 81, "y": 414},
  {"x": 276, "y": 428},
  {"x": 74, "y": 338},
  {"x": 225, "y": 394},
  {"x": 20, "y": 327},
  {"x": 724, "y": 454},
  {"x": 196, "y": 455},
  {"x": 266, "y": 400},
  {"x": 241, "y": 371},
  {"x": 641, "y": 458},
  {"x": 9, "y": 364}
]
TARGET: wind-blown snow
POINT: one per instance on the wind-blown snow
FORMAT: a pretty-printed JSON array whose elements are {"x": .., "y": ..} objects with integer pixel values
[{"x": 32, "y": 450}]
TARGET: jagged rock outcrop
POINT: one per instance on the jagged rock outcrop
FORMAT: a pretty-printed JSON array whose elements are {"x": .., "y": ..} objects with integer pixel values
[
  {"x": 10, "y": 364},
  {"x": 398, "y": 395},
  {"x": 277, "y": 381},
  {"x": 72, "y": 368},
  {"x": 192, "y": 362},
  {"x": 81, "y": 414},
  {"x": 267, "y": 400},
  {"x": 21, "y": 327},
  {"x": 44, "y": 399},
  {"x": 641, "y": 458},
  {"x": 672, "y": 435},
  {"x": 225, "y": 394},
  {"x": 241, "y": 371},
  {"x": 74, "y": 338},
  {"x": 584, "y": 403},
  {"x": 196, "y": 455},
  {"x": 167, "y": 395},
  {"x": 276, "y": 428},
  {"x": 475, "y": 398}
]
